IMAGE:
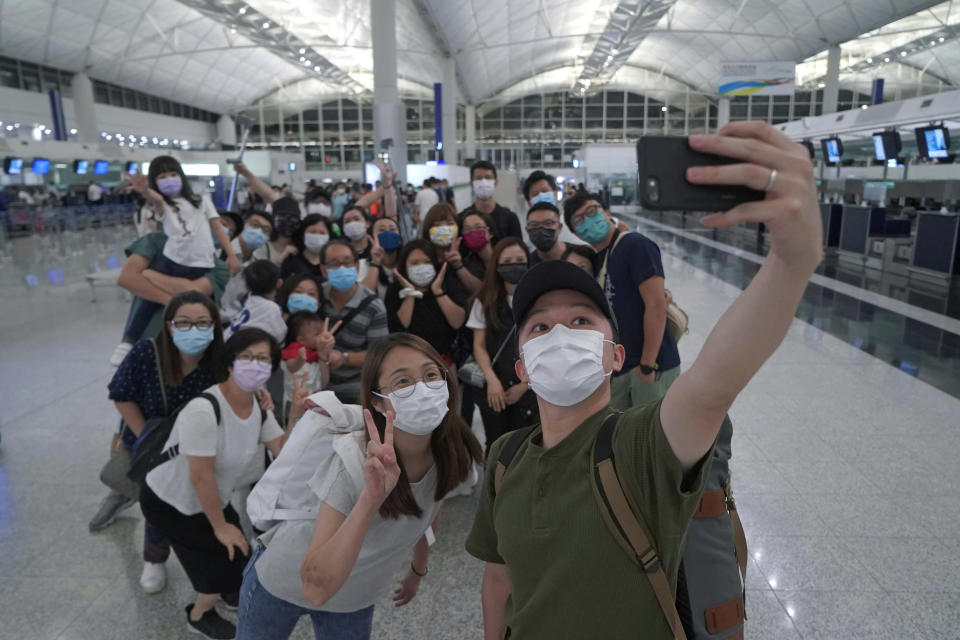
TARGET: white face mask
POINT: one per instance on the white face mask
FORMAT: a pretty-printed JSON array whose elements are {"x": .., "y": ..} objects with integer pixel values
[
  {"x": 565, "y": 365},
  {"x": 319, "y": 207},
  {"x": 421, "y": 412},
  {"x": 315, "y": 241},
  {"x": 484, "y": 188},
  {"x": 421, "y": 274},
  {"x": 355, "y": 230}
]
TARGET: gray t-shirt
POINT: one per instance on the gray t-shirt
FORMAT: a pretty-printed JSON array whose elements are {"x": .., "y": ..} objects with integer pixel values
[{"x": 387, "y": 547}]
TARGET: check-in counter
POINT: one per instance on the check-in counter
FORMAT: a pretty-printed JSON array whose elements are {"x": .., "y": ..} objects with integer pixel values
[
  {"x": 937, "y": 249},
  {"x": 857, "y": 226}
]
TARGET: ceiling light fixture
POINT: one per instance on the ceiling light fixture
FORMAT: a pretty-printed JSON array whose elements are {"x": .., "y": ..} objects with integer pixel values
[
  {"x": 266, "y": 25},
  {"x": 941, "y": 38},
  {"x": 243, "y": 10},
  {"x": 886, "y": 59},
  {"x": 869, "y": 60},
  {"x": 903, "y": 54}
]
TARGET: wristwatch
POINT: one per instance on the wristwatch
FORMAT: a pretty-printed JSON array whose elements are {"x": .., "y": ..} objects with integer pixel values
[
  {"x": 648, "y": 369},
  {"x": 346, "y": 358}
]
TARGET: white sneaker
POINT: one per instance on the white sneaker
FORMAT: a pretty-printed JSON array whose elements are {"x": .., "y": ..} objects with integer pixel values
[
  {"x": 154, "y": 577},
  {"x": 120, "y": 353}
]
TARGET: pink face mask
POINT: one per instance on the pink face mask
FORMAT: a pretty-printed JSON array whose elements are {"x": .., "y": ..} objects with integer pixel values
[{"x": 475, "y": 240}]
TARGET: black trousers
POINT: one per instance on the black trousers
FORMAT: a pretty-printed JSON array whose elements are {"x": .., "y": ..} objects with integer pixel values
[{"x": 203, "y": 557}]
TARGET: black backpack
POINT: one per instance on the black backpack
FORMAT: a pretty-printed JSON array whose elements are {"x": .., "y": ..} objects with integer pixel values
[{"x": 148, "y": 451}]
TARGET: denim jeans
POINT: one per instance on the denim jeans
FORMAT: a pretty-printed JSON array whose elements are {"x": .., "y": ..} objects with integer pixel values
[{"x": 262, "y": 616}]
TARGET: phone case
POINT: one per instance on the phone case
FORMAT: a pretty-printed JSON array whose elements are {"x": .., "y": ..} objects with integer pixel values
[{"x": 662, "y": 163}]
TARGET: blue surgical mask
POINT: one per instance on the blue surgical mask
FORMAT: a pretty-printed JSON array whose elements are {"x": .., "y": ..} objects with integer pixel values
[
  {"x": 593, "y": 229},
  {"x": 302, "y": 302},
  {"x": 389, "y": 240},
  {"x": 193, "y": 341},
  {"x": 253, "y": 237},
  {"x": 342, "y": 278},
  {"x": 546, "y": 196}
]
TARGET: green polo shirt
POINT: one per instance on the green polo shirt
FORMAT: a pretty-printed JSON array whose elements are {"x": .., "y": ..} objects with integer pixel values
[
  {"x": 150, "y": 246},
  {"x": 570, "y": 577}
]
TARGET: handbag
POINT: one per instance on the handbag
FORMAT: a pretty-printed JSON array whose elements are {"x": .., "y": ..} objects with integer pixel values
[
  {"x": 114, "y": 472},
  {"x": 677, "y": 321},
  {"x": 471, "y": 373}
]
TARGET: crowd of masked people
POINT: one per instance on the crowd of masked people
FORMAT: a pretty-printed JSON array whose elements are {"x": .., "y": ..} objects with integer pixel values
[{"x": 255, "y": 337}]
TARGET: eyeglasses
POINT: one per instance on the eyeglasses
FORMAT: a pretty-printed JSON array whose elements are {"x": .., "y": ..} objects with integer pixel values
[
  {"x": 257, "y": 225},
  {"x": 337, "y": 265},
  {"x": 589, "y": 212},
  {"x": 549, "y": 224},
  {"x": 480, "y": 228},
  {"x": 185, "y": 325},
  {"x": 249, "y": 357},
  {"x": 404, "y": 385}
]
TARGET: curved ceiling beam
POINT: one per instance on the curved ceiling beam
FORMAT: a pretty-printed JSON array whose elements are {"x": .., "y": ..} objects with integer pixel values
[
  {"x": 494, "y": 95},
  {"x": 283, "y": 86}
]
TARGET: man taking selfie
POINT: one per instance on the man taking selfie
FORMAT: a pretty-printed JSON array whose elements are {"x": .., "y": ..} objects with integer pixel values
[{"x": 546, "y": 544}]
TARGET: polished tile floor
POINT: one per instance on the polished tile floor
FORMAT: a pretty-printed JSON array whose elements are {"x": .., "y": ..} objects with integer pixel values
[{"x": 844, "y": 468}]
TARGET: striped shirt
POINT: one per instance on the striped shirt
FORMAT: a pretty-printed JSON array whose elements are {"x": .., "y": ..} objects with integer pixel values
[{"x": 365, "y": 328}]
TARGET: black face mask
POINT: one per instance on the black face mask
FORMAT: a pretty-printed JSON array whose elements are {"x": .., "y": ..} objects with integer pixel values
[
  {"x": 543, "y": 239},
  {"x": 512, "y": 272}
]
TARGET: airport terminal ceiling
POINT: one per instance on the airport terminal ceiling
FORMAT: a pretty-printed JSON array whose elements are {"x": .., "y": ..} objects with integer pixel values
[{"x": 224, "y": 55}]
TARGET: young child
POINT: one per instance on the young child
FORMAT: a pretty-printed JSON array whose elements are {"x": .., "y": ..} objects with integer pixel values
[
  {"x": 190, "y": 222},
  {"x": 262, "y": 279},
  {"x": 306, "y": 354}
]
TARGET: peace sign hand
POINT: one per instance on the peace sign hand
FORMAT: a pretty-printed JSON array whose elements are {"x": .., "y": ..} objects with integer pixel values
[
  {"x": 437, "y": 285},
  {"x": 300, "y": 395},
  {"x": 452, "y": 256},
  {"x": 326, "y": 341},
  {"x": 381, "y": 470},
  {"x": 376, "y": 253},
  {"x": 403, "y": 281}
]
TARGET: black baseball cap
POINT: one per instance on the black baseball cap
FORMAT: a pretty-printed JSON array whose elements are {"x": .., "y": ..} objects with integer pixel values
[{"x": 554, "y": 275}]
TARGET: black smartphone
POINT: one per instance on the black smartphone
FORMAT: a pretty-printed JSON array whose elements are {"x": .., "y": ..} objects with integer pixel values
[{"x": 662, "y": 163}]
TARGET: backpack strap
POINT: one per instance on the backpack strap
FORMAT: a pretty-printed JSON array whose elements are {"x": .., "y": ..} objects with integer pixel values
[
  {"x": 602, "y": 275},
  {"x": 739, "y": 537},
  {"x": 627, "y": 527},
  {"x": 508, "y": 453},
  {"x": 174, "y": 451},
  {"x": 345, "y": 320},
  {"x": 160, "y": 379}
]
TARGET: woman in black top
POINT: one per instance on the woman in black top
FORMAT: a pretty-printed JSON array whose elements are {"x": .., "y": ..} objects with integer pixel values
[
  {"x": 426, "y": 299},
  {"x": 315, "y": 231},
  {"x": 189, "y": 351},
  {"x": 507, "y": 403}
]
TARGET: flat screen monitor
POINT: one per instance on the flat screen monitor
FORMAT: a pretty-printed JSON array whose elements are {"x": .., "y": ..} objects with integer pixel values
[
  {"x": 12, "y": 166},
  {"x": 80, "y": 167},
  {"x": 132, "y": 167},
  {"x": 40, "y": 166},
  {"x": 832, "y": 150},
  {"x": 933, "y": 142},
  {"x": 100, "y": 167},
  {"x": 886, "y": 145},
  {"x": 291, "y": 166}
]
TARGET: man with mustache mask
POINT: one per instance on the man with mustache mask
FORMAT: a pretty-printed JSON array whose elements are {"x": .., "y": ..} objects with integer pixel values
[{"x": 545, "y": 523}]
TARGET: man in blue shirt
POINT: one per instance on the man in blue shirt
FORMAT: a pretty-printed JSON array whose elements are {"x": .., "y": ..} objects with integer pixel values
[{"x": 629, "y": 268}]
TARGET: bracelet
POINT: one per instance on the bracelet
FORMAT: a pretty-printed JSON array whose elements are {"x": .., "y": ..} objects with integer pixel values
[
  {"x": 425, "y": 571},
  {"x": 410, "y": 293},
  {"x": 439, "y": 295}
]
